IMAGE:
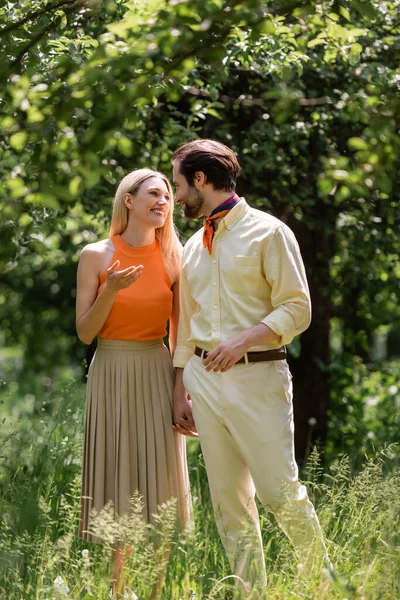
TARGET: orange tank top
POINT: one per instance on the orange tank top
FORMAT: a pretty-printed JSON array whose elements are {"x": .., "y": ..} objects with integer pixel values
[{"x": 141, "y": 311}]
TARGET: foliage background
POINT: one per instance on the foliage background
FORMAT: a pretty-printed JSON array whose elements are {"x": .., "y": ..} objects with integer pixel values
[{"x": 307, "y": 94}]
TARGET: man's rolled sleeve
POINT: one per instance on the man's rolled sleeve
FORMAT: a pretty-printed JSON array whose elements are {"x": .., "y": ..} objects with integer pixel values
[
  {"x": 184, "y": 349},
  {"x": 290, "y": 296}
]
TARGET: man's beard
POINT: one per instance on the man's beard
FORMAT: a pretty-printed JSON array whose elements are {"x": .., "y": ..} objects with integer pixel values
[{"x": 193, "y": 203}]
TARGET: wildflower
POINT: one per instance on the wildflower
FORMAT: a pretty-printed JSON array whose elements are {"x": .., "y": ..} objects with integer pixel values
[
  {"x": 60, "y": 587},
  {"x": 85, "y": 553},
  {"x": 312, "y": 421}
]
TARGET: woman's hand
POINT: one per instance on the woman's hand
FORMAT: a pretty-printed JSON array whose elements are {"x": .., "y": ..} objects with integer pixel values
[
  {"x": 118, "y": 280},
  {"x": 183, "y": 416}
]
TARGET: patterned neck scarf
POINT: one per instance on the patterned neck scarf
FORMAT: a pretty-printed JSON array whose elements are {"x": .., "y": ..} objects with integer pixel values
[{"x": 217, "y": 213}]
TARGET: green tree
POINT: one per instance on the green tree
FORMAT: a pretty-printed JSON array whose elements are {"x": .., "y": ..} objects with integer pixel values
[{"x": 306, "y": 93}]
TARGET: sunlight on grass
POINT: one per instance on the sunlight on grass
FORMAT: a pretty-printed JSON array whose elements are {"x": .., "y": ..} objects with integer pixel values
[{"x": 42, "y": 558}]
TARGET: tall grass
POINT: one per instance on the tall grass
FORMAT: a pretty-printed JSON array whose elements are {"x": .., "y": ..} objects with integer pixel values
[{"x": 42, "y": 558}]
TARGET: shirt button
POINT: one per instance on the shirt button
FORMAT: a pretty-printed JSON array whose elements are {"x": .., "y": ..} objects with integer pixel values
[
  {"x": 215, "y": 262},
  {"x": 215, "y": 284},
  {"x": 215, "y": 306}
]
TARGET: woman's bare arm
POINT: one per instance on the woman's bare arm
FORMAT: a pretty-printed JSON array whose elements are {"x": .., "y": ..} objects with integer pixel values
[
  {"x": 92, "y": 310},
  {"x": 173, "y": 322},
  {"x": 174, "y": 319}
]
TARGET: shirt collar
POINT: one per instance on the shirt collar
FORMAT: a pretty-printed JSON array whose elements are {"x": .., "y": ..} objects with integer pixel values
[{"x": 235, "y": 214}]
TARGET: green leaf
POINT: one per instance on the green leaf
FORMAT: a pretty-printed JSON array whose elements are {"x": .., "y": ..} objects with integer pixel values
[
  {"x": 316, "y": 42},
  {"x": 330, "y": 55},
  {"x": 325, "y": 185},
  {"x": 357, "y": 32},
  {"x": 16, "y": 186},
  {"x": 125, "y": 146},
  {"x": 18, "y": 140},
  {"x": 268, "y": 27},
  {"x": 34, "y": 115},
  {"x": 340, "y": 174},
  {"x": 356, "y": 143},
  {"x": 44, "y": 199},
  {"x": 345, "y": 13},
  {"x": 74, "y": 185},
  {"x": 365, "y": 8},
  {"x": 214, "y": 113},
  {"x": 304, "y": 11},
  {"x": 25, "y": 220},
  {"x": 284, "y": 29}
]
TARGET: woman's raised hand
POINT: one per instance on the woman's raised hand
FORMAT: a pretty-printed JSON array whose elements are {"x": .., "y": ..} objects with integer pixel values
[{"x": 118, "y": 280}]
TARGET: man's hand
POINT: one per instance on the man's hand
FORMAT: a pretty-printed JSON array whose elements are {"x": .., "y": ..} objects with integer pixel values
[
  {"x": 183, "y": 416},
  {"x": 226, "y": 354}
]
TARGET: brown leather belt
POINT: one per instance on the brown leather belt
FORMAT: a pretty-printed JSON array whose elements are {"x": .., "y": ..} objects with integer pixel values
[{"x": 262, "y": 355}]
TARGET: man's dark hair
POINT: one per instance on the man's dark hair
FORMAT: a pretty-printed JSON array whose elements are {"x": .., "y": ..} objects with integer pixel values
[{"x": 218, "y": 163}]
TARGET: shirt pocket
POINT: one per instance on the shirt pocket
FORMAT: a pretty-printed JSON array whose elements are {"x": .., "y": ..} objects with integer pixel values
[{"x": 243, "y": 274}]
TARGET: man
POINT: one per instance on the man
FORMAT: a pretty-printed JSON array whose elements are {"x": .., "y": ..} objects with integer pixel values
[{"x": 244, "y": 296}]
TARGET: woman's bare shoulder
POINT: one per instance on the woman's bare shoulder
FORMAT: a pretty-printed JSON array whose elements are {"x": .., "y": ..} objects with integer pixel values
[
  {"x": 98, "y": 249},
  {"x": 96, "y": 256}
]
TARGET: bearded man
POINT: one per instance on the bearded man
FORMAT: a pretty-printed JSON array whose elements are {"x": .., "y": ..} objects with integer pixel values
[{"x": 243, "y": 298}]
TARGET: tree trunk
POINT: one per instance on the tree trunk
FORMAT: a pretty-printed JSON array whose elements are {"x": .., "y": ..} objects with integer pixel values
[
  {"x": 311, "y": 369},
  {"x": 357, "y": 334}
]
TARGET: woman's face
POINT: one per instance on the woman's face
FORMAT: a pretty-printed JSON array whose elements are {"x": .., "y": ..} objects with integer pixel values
[{"x": 150, "y": 206}]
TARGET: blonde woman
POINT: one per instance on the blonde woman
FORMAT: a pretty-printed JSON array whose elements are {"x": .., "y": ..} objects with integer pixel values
[{"x": 127, "y": 290}]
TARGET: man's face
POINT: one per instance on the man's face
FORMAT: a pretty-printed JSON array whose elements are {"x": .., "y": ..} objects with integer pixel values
[{"x": 188, "y": 196}]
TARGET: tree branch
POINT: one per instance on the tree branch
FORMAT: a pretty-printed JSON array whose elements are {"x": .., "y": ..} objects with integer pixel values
[
  {"x": 35, "y": 14},
  {"x": 285, "y": 9},
  {"x": 313, "y": 101},
  {"x": 254, "y": 101},
  {"x": 45, "y": 30}
]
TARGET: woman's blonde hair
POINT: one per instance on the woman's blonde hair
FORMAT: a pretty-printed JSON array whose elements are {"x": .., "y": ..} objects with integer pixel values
[{"x": 166, "y": 235}]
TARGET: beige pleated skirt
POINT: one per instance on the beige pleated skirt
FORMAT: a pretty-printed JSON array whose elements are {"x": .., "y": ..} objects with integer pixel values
[{"x": 129, "y": 441}]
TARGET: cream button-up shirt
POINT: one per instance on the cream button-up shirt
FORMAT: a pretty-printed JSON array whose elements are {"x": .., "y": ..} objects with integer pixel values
[{"x": 254, "y": 275}]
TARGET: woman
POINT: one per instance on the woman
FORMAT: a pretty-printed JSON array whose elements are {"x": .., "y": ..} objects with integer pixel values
[{"x": 127, "y": 290}]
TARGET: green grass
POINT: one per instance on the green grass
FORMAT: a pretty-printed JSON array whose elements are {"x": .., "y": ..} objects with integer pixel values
[{"x": 40, "y": 463}]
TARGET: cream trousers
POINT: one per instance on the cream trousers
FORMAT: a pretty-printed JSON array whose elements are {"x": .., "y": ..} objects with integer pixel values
[{"x": 244, "y": 418}]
